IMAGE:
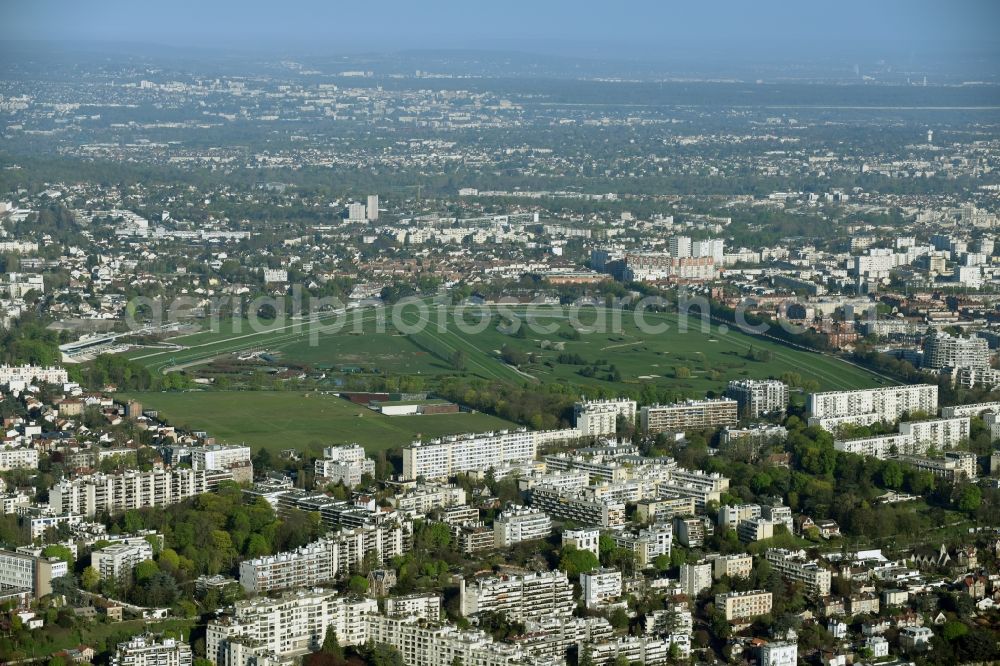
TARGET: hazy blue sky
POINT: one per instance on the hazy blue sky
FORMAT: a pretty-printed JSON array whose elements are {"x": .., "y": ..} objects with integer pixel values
[{"x": 755, "y": 27}]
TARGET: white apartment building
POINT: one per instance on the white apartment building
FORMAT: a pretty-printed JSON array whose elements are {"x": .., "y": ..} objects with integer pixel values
[
  {"x": 647, "y": 544},
  {"x": 744, "y": 605},
  {"x": 433, "y": 644},
  {"x": 730, "y": 515},
  {"x": 594, "y": 418},
  {"x": 689, "y": 415},
  {"x": 348, "y": 473},
  {"x": 878, "y": 645},
  {"x": 952, "y": 466},
  {"x": 601, "y": 587},
  {"x": 711, "y": 247},
  {"x": 219, "y": 457},
  {"x": 596, "y": 468},
  {"x": 10, "y": 502},
  {"x": 664, "y": 509},
  {"x": 528, "y": 596},
  {"x": 583, "y": 540},
  {"x": 779, "y": 513},
  {"x": 426, "y": 498},
  {"x": 320, "y": 561},
  {"x": 640, "y": 649},
  {"x": 939, "y": 433},
  {"x": 877, "y": 264},
  {"x": 679, "y": 247},
  {"x": 976, "y": 409},
  {"x": 343, "y": 464},
  {"x": 778, "y": 653},
  {"x": 794, "y": 565},
  {"x": 914, "y": 438},
  {"x": 38, "y": 525},
  {"x": 915, "y": 639},
  {"x": 879, "y": 446},
  {"x": 754, "y": 529},
  {"x": 150, "y": 651},
  {"x": 285, "y": 627},
  {"x": 630, "y": 490},
  {"x": 118, "y": 561},
  {"x": 422, "y": 606},
  {"x": 21, "y": 458},
  {"x": 675, "y": 618},
  {"x": 521, "y": 523},
  {"x": 733, "y": 566},
  {"x": 28, "y": 374},
  {"x": 572, "y": 505},
  {"x": 562, "y": 479},
  {"x": 835, "y": 423},
  {"x": 445, "y": 457},
  {"x": 756, "y": 434},
  {"x": 548, "y": 640},
  {"x": 690, "y": 531},
  {"x": 275, "y": 275},
  {"x": 695, "y": 577},
  {"x": 702, "y": 487},
  {"x": 133, "y": 489},
  {"x": 356, "y": 212},
  {"x": 946, "y": 351},
  {"x": 30, "y": 572},
  {"x": 887, "y": 403},
  {"x": 758, "y": 397}
]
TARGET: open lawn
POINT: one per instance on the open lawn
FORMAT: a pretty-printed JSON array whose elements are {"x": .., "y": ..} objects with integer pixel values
[
  {"x": 689, "y": 363},
  {"x": 278, "y": 420},
  {"x": 302, "y": 341}
]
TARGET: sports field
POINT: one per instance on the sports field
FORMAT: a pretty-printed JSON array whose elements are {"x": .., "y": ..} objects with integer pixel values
[{"x": 278, "y": 420}]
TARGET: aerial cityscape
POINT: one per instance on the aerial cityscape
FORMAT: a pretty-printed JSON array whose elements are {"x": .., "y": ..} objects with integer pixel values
[{"x": 537, "y": 334}]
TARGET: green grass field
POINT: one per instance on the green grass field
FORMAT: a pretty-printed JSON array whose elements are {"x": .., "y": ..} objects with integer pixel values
[
  {"x": 387, "y": 350},
  {"x": 278, "y": 420},
  {"x": 711, "y": 359},
  {"x": 690, "y": 362}
]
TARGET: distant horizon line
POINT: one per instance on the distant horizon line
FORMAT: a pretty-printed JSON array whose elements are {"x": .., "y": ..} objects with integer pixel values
[{"x": 648, "y": 51}]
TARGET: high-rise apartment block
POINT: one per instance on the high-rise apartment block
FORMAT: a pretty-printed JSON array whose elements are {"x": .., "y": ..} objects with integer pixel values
[
  {"x": 947, "y": 351},
  {"x": 758, "y": 397},
  {"x": 689, "y": 415},
  {"x": 576, "y": 505},
  {"x": 444, "y": 457},
  {"x": 320, "y": 561},
  {"x": 744, "y": 605},
  {"x": 600, "y": 587},
  {"x": 600, "y": 417},
  {"x": 343, "y": 464},
  {"x": 27, "y": 374},
  {"x": 680, "y": 247},
  {"x": 282, "y": 628},
  {"x": 521, "y": 596},
  {"x": 887, "y": 404},
  {"x": 521, "y": 523},
  {"x": 132, "y": 489},
  {"x": 219, "y": 457},
  {"x": 695, "y": 578},
  {"x": 117, "y": 561},
  {"x": 795, "y": 566}
]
